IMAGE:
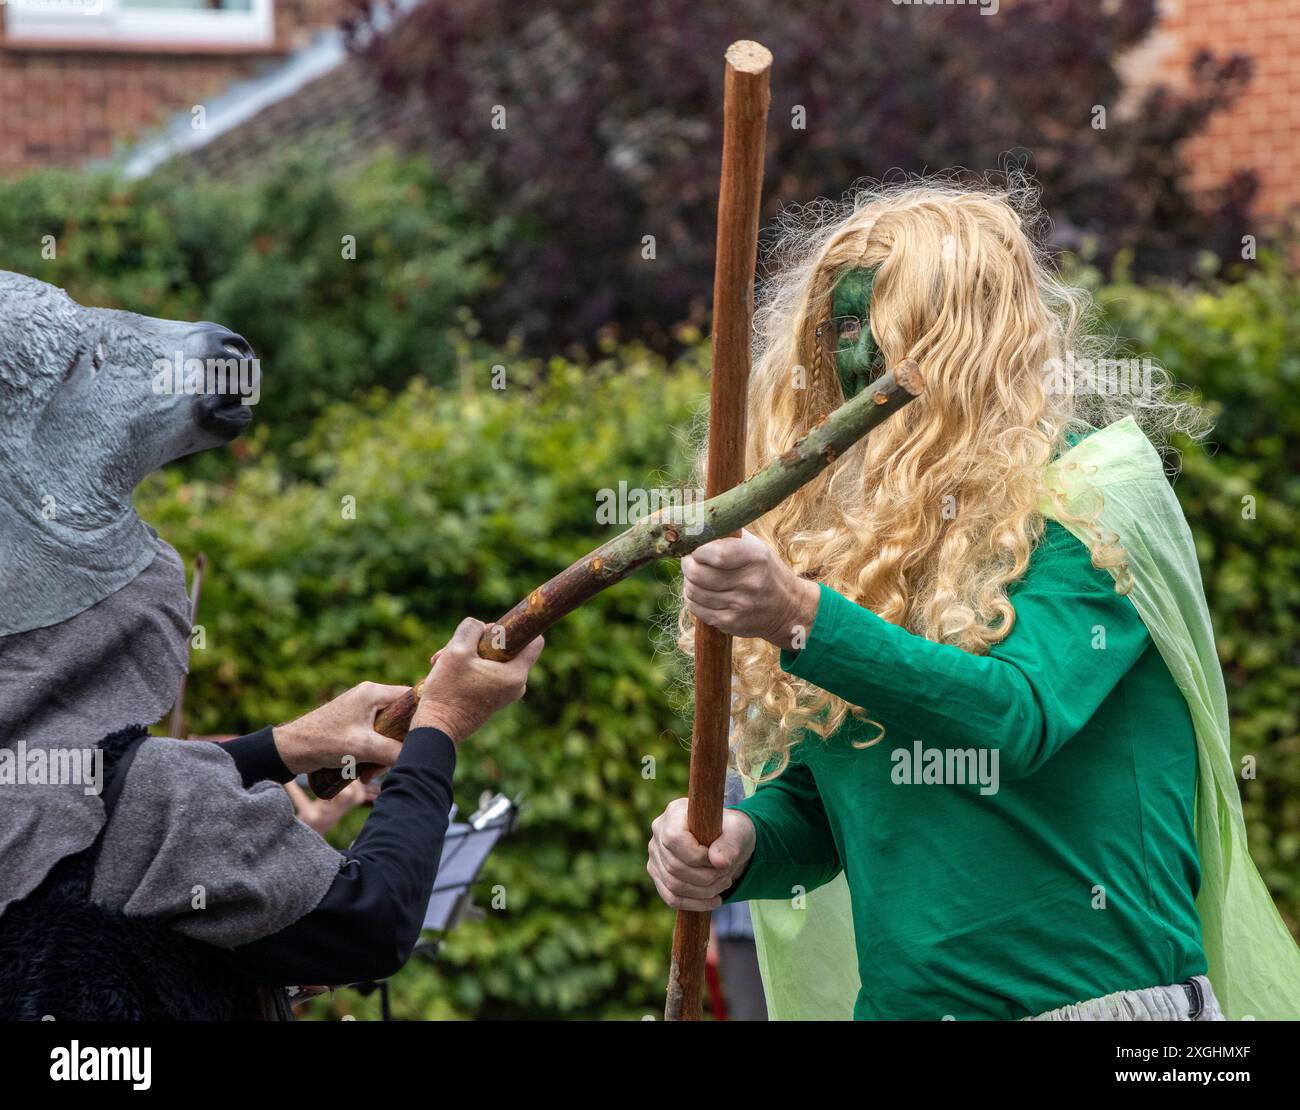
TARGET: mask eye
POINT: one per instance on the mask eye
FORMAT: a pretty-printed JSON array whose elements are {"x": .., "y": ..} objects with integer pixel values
[{"x": 848, "y": 330}]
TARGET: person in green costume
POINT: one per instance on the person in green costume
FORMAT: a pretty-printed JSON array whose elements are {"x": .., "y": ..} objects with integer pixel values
[{"x": 974, "y": 674}]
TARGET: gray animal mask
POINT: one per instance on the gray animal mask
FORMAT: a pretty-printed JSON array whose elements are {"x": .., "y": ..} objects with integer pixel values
[{"x": 92, "y": 400}]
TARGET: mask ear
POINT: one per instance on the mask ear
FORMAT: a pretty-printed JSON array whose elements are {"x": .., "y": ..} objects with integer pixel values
[
  {"x": 38, "y": 323},
  {"x": 855, "y": 350}
]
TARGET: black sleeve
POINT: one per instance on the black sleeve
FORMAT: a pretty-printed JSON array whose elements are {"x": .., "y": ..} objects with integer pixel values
[
  {"x": 369, "y": 920},
  {"x": 257, "y": 757}
]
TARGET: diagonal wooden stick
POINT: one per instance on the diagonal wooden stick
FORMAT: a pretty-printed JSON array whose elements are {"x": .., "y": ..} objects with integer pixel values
[
  {"x": 669, "y": 534},
  {"x": 744, "y": 108}
]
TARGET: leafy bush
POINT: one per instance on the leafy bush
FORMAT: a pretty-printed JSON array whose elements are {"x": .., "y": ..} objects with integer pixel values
[
  {"x": 267, "y": 258},
  {"x": 464, "y": 501},
  {"x": 1236, "y": 345},
  {"x": 612, "y": 113}
]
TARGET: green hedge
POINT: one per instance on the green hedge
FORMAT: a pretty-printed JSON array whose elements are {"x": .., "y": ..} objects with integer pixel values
[{"x": 266, "y": 257}]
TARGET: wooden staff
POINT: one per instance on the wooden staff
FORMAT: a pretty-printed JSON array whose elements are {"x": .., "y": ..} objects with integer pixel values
[{"x": 745, "y": 101}]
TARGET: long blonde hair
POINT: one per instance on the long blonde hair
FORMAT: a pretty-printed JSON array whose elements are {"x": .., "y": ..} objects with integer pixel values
[{"x": 930, "y": 519}]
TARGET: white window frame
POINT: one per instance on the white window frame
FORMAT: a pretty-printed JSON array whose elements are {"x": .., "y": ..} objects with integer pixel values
[{"x": 114, "y": 24}]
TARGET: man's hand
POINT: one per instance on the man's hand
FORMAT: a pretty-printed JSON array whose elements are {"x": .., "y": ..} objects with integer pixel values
[
  {"x": 344, "y": 727},
  {"x": 688, "y": 875},
  {"x": 463, "y": 690},
  {"x": 322, "y": 814},
  {"x": 739, "y": 586}
]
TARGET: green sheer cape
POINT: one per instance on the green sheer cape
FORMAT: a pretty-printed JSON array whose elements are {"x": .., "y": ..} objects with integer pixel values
[{"x": 807, "y": 953}]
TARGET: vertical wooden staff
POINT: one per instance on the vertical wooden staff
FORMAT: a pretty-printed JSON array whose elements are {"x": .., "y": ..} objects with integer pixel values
[{"x": 745, "y": 101}]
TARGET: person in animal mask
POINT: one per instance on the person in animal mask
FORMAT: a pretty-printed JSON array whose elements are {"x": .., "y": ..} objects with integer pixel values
[
  {"x": 155, "y": 878},
  {"x": 975, "y": 679}
]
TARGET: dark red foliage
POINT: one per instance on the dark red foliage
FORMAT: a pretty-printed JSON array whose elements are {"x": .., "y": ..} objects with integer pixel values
[{"x": 613, "y": 116}]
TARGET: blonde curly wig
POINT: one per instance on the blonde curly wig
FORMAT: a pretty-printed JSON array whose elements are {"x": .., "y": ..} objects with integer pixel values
[{"x": 934, "y": 516}]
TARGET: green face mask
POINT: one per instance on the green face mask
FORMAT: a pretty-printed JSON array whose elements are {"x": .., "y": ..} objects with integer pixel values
[{"x": 848, "y": 332}]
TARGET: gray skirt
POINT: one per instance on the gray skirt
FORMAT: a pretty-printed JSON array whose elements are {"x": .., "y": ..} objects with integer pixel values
[{"x": 1190, "y": 1001}]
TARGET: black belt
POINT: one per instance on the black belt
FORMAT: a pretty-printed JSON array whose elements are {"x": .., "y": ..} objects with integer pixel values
[{"x": 1195, "y": 999}]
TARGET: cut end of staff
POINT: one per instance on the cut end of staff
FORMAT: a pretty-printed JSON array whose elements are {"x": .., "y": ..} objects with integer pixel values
[
  {"x": 748, "y": 56},
  {"x": 908, "y": 374}
]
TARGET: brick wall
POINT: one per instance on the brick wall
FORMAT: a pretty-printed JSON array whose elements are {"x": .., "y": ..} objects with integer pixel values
[
  {"x": 1262, "y": 132},
  {"x": 295, "y": 19},
  {"x": 65, "y": 106}
]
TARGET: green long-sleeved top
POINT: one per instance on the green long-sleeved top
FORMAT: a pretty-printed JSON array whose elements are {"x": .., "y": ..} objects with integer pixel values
[{"x": 1076, "y": 878}]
